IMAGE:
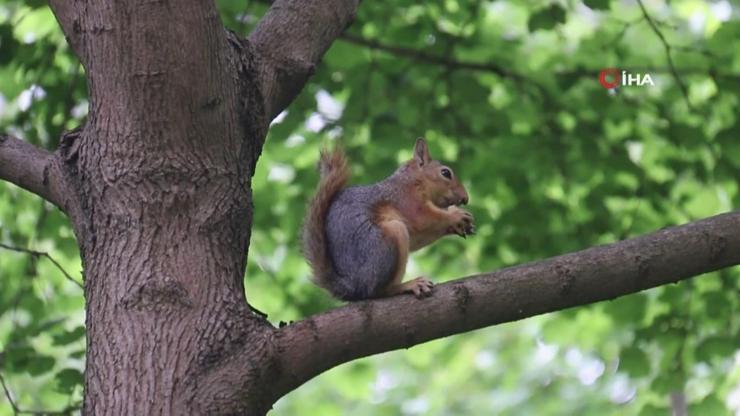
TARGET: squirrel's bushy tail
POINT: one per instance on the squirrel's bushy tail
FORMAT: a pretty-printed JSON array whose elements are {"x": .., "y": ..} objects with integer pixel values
[{"x": 334, "y": 175}]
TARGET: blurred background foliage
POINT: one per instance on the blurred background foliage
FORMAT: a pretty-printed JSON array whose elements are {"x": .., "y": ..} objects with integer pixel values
[{"x": 507, "y": 92}]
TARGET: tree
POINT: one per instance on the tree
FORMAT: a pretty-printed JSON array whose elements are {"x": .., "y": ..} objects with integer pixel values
[{"x": 157, "y": 186}]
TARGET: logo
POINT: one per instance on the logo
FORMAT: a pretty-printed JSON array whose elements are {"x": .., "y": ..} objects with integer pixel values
[{"x": 611, "y": 78}]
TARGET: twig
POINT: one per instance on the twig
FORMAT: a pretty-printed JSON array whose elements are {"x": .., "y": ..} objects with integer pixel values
[
  {"x": 18, "y": 411},
  {"x": 427, "y": 57},
  {"x": 697, "y": 50},
  {"x": 9, "y": 396},
  {"x": 667, "y": 47},
  {"x": 43, "y": 254}
]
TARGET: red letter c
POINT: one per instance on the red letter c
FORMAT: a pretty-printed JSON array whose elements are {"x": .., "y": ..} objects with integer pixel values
[{"x": 614, "y": 73}]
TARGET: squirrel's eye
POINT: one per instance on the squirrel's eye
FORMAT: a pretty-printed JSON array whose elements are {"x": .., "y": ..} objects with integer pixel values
[{"x": 446, "y": 173}]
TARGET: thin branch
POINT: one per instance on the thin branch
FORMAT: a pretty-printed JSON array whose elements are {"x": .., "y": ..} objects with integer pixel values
[
  {"x": 9, "y": 396},
  {"x": 316, "y": 344},
  {"x": 415, "y": 54},
  {"x": 457, "y": 64},
  {"x": 450, "y": 64},
  {"x": 31, "y": 168},
  {"x": 667, "y": 47},
  {"x": 678, "y": 403},
  {"x": 43, "y": 254},
  {"x": 18, "y": 411}
]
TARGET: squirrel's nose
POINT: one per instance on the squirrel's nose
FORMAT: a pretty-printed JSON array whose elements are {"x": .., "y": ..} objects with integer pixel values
[{"x": 464, "y": 200}]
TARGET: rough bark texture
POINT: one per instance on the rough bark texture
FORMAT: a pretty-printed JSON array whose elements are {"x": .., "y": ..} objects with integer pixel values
[
  {"x": 161, "y": 171},
  {"x": 157, "y": 185}
]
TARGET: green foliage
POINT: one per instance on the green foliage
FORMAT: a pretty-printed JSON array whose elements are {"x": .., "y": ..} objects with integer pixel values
[
  {"x": 546, "y": 19},
  {"x": 553, "y": 163}
]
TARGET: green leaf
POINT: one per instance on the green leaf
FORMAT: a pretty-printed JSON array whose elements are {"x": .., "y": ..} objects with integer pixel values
[
  {"x": 35, "y": 4},
  {"x": 67, "y": 337},
  {"x": 728, "y": 33},
  {"x": 710, "y": 405},
  {"x": 668, "y": 382},
  {"x": 78, "y": 354},
  {"x": 344, "y": 55},
  {"x": 17, "y": 357},
  {"x": 628, "y": 309},
  {"x": 719, "y": 305},
  {"x": 68, "y": 379},
  {"x": 634, "y": 361},
  {"x": 652, "y": 410},
  {"x": 40, "y": 364},
  {"x": 546, "y": 19},
  {"x": 8, "y": 44},
  {"x": 597, "y": 4},
  {"x": 716, "y": 347}
]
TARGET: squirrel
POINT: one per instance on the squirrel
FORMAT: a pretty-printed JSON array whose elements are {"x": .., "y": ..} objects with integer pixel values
[{"x": 357, "y": 240}]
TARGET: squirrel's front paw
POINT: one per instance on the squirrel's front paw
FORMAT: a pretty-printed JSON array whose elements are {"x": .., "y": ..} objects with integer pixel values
[{"x": 462, "y": 222}]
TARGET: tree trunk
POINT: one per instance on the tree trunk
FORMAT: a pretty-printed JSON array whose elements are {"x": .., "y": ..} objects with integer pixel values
[
  {"x": 157, "y": 185},
  {"x": 164, "y": 249},
  {"x": 161, "y": 172}
]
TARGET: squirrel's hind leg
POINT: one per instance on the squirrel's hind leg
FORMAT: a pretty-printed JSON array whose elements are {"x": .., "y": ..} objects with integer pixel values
[
  {"x": 420, "y": 287},
  {"x": 395, "y": 229}
]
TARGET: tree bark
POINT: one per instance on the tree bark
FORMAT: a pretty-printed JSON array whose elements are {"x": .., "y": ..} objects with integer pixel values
[
  {"x": 157, "y": 185},
  {"x": 162, "y": 172}
]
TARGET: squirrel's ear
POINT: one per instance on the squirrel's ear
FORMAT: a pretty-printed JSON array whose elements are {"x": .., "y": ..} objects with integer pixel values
[{"x": 421, "y": 152}]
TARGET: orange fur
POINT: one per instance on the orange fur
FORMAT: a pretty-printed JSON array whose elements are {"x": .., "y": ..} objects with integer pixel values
[
  {"x": 394, "y": 227},
  {"x": 334, "y": 176}
]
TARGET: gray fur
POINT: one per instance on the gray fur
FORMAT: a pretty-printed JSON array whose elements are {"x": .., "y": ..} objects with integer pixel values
[{"x": 364, "y": 259}]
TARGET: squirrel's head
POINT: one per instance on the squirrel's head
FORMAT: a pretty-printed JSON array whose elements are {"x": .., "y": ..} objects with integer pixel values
[{"x": 437, "y": 181}]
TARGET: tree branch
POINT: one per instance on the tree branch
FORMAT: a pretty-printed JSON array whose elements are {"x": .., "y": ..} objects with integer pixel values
[
  {"x": 68, "y": 18},
  {"x": 667, "y": 48},
  {"x": 290, "y": 41},
  {"x": 421, "y": 56},
  {"x": 48, "y": 256},
  {"x": 457, "y": 64},
  {"x": 316, "y": 344},
  {"x": 31, "y": 168}
]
